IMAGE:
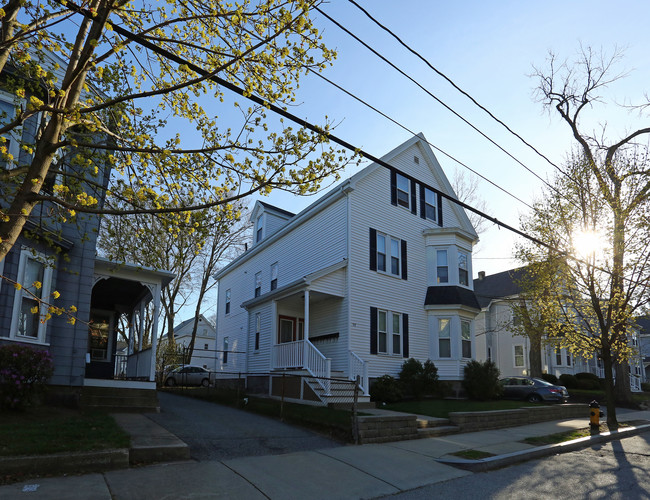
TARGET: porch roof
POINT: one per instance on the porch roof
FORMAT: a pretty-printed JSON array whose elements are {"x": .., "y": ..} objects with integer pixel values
[{"x": 295, "y": 286}]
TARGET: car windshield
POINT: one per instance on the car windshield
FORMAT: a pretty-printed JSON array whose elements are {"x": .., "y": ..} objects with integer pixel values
[{"x": 541, "y": 381}]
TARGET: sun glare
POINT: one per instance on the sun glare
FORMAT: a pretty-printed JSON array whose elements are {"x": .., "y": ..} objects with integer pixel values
[{"x": 587, "y": 243}]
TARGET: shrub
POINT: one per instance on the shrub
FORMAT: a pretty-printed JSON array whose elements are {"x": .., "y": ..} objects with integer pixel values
[
  {"x": 587, "y": 376},
  {"x": 549, "y": 377},
  {"x": 645, "y": 386},
  {"x": 417, "y": 379},
  {"x": 481, "y": 380},
  {"x": 385, "y": 390},
  {"x": 23, "y": 373},
  {"x": 568, "y": 381},
  {"x": 587, "y": 384}
]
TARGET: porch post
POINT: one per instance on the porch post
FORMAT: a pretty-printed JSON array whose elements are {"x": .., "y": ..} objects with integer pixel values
[
  {"x": 305, "y": 330},
  {"x": 154, "y": 332},
  {"x": 141, "y": 326},
  {"x": 274, "y": 332},
  {"x": 131, "y": 332}
]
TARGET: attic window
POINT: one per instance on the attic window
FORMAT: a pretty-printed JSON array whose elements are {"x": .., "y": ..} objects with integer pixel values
[{"x": 416, "y": 160}]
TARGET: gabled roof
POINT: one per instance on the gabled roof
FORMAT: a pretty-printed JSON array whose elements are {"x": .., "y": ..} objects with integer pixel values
[
  {"x": 644, "y": 325},
  {"x": 498, "y": 286},
  {"x": 273, "y": 208},
  {"x": 345, "y": 187},
  {"x": 190, "y": 320}
]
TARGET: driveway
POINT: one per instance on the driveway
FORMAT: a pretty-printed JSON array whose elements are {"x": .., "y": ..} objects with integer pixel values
[{"x": 216, "y": 432}]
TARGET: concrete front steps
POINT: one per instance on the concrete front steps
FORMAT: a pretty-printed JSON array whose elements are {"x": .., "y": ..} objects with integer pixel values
[
  {"x": 382, "y": 426},
  {"x": 434, "y": 427},
  {"x": 119, "y": 399}
]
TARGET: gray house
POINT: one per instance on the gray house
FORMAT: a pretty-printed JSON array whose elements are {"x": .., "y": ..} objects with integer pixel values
[{"x": 108, "y": 300}]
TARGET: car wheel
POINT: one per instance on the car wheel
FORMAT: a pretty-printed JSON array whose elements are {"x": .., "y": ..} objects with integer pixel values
[
  {"x": 170, "y": 382},
  {"x": 534, "y": 398},
  {"x": 205, "y": 382}
]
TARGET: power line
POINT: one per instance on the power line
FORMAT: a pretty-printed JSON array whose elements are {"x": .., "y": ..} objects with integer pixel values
[
  {"x": 453, "y": 84},
  {"x": 442, "y": 103},
  {"x": 448, "y": 155},
  {"x": 318, "y": 130}
]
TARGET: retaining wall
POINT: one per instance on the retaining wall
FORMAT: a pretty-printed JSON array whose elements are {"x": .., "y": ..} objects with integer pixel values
[
  {"x": 498, "y": 419},
  {"x": 382, "y": 429}
]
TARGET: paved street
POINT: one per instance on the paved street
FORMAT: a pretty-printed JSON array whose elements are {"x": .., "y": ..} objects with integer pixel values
[
  {"x": 217, "y": 432},
  {"x": 615, "y": 470}
]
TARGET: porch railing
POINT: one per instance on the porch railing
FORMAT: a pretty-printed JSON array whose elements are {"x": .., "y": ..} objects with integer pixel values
[
  {"x": 139, "y": 365},
  {"x": 635, "y": 383},
  {"x": 288, "y": 355},
  {"x": 359, "y": 367},
  {"x": 303, "y": 354}
]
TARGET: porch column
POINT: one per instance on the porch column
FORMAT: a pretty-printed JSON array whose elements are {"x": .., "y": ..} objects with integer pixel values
[
  {"x": 131, "y": 332},
  {"x": 305, "y": 329},
  {"x": 274, "y": 332},
  {"x": 141, "y": 326},
  {"x": 154, "y": 332}
]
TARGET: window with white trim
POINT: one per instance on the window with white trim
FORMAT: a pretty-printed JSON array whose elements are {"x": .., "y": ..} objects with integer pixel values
[
  {"x": 389, "y": 254},
  {"x": 11, "y": 144},
  {"x": 258, "y": 329},
  {"x": 258, "y": 284},
  {"x": 558, "y": 357},
  {"x": 259, "y": 228},
  {"x": 518, "y": 353},
  {"x": 403, "y": 191},
  {"x": 466, "y": 338},
  {"x": 226, "y": 341},
  {"x": 389, "y": 332},
  {"x": 228, "y": 301},
  {"x": 442, "y": 268},
  {"x": 430, "y": 205},
  {"x": 28, "y": 318},
  {"x": 444, "y": 338},
  {"x": 274, "y": 276},
  {"x": 381, "y": 252},
  {"x": 463, "y": 268}
]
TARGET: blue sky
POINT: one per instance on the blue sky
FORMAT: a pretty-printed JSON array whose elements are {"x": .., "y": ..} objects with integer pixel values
[{"x": 488, "y": 49}]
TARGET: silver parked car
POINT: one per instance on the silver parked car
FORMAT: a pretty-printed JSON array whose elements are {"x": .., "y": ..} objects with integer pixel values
[
  {"x": 188, "y": 375},
  {"x": 533, "y": 390}
]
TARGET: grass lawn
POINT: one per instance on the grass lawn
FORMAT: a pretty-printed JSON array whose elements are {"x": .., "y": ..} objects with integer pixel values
[
  {"x": 442, "y": 407},
  {"x": 473, "y": 454},
  {"x": 48, "y": 429}
]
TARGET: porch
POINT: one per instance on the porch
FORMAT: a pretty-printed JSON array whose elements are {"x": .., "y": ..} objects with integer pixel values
[{"x": 122, "y": 335}]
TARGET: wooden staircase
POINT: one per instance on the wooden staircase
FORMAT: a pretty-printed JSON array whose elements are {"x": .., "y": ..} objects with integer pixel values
[
  {"x": 341, "y": 394},
  {"x": 120, "y": 399}
]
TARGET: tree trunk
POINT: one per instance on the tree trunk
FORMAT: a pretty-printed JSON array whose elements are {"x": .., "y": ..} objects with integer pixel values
[
  {"x": 535, "y": 356},
  {"x": 622, "y": 390},
  {"x": 612, "y": 422}
]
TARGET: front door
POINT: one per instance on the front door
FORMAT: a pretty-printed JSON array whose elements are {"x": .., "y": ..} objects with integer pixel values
[
  {"x": 290, "y": 329},
  {"x": 100, "y": 345}
]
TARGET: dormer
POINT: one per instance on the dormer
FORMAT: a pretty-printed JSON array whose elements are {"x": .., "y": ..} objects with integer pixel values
[{"x": 267, "y": 220}]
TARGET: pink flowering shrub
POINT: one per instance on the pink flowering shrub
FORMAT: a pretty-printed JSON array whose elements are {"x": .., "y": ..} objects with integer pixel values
[{"x": 23, "y": 372}]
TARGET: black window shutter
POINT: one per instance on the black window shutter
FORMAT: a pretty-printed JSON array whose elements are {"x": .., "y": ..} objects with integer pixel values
[
  {"x": 439, "y": 209},
  {"x": 404, "y": 264},
  {"x": 373, "y": 330},
  {"x": 405, "y": 335},
  {"x": 373, "y": 249},
  {"x": 423, "y": 207},
  {"x": 393, "y": 187},
  {"x": 414, "y": 206}
]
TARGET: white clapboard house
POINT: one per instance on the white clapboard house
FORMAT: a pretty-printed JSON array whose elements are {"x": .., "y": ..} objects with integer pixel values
[{"x": 377, "y": 270}]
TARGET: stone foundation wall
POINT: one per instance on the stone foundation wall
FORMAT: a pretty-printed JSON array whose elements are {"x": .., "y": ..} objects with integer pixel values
[
  {"x": 379, "y": 429},
  {"x": 497, "y": 419}
]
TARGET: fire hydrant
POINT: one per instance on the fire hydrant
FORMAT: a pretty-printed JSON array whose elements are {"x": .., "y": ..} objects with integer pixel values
[{"x": 594, "y": 417}]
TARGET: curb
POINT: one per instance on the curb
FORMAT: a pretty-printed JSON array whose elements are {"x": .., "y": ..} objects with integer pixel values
[
  {"x": 87, "y": 461},
  {"x": 496, "y": 462}
]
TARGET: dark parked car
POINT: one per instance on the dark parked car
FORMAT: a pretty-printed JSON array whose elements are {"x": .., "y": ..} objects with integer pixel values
[
  {"x": 533, "y": 390},
  {"x": 188, "y": 375}
]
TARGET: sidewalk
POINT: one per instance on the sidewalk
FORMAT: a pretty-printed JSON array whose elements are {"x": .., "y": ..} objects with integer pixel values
[{"x": 366, "y": 471}]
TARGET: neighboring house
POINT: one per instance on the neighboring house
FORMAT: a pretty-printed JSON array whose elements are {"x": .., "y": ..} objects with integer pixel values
[
  {"x": 377, "y": 270},
  {"x": 644, "y": 344},
  {"x": 204, "y": 343},
  {"x": 62, "y": 257},
  {"x": 496, "y": 341}
]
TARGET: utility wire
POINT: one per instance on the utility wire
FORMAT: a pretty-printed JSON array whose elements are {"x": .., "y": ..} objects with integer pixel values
[
  {"x": 453, "y": 84},
  {"x": 319, "y": 130},
  {"x": 448, "y": 155},
  {"x": 442, "y": 103}
]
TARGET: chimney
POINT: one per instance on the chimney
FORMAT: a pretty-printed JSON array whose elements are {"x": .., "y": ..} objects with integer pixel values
[{"x": 481, "y": 275}]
